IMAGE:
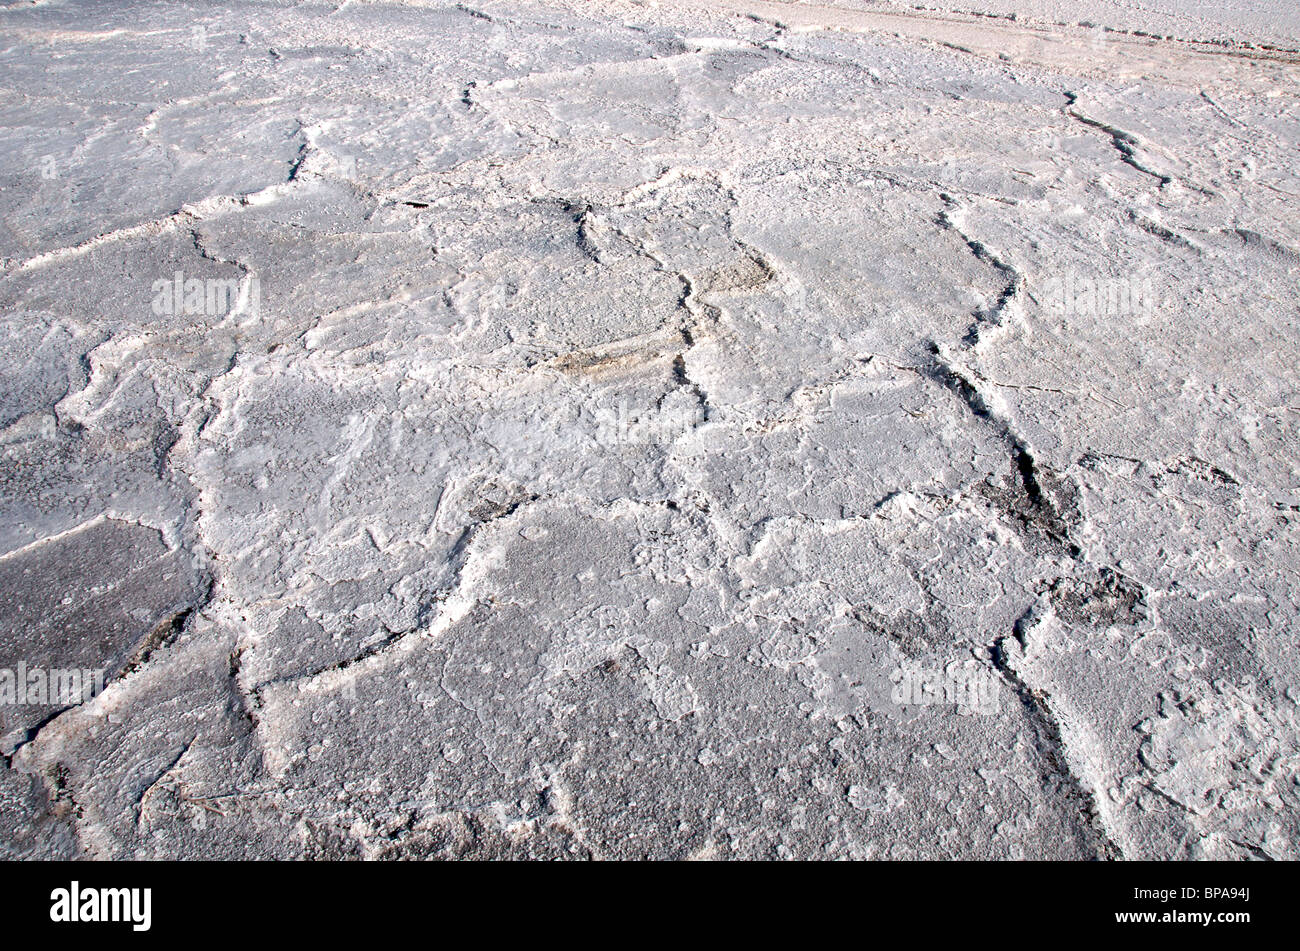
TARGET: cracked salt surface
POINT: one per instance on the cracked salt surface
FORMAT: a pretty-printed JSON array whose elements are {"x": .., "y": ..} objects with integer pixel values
[{"x": 627, "y": 430}]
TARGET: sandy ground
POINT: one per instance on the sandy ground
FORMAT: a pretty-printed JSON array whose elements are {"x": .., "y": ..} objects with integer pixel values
[{"x": 614, "y": 430}]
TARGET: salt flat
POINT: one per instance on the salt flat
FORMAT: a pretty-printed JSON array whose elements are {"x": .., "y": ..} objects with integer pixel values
[{"x": 650, "y": 430}]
